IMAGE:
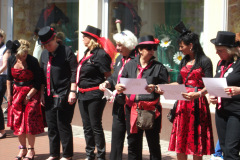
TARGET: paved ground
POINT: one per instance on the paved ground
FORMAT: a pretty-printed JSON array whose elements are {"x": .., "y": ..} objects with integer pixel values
[{"x": 9, "y": 147}]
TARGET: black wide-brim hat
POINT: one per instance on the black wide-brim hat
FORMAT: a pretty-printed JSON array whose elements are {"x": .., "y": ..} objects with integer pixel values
[
  {"x": 13, "y": 45},
  {"x": 46, "y": 34},
  {"x": 225, "y": 38},
  {"x": 92, "y": 31},
  {"x": 147, "y": 40}
]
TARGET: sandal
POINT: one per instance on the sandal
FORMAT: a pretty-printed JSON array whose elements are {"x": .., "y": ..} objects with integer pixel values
[
  {"x": 63, "y": 158},
  {"x": 28, "y": 158},
  {"x": 53, "y": 158},
  {"x": 18, "y": 157}
]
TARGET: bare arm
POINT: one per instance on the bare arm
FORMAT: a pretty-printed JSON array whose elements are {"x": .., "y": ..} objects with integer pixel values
[
  {"x": 30, "y": 95},
  {"x": 9, "y": 93},
  {"x": 72, "y": 95},
  {"x": 42, "y": 99},
  {"x": 107, "y": 74},
  {"x": 194, "y": 95},
  {"x": 5, "y": 58}
]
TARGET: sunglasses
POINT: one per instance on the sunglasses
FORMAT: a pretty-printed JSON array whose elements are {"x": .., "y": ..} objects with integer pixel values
[{"x": 150, "y": 47}]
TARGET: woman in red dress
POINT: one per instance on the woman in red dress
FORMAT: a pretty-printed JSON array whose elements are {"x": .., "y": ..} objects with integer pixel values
[
  {"x": 23, "y": 90},
  {"x": 192, "y": 128}
]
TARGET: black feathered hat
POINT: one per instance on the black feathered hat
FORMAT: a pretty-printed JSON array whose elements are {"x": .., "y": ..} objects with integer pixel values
[
  {"x": 13, "y": 45},
  {"x": 225, "y": 38},
  {"x": 181, "y": 29}
]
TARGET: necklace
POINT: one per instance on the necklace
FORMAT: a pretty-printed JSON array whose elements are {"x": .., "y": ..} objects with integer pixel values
[{"x": 192, "y": 61}]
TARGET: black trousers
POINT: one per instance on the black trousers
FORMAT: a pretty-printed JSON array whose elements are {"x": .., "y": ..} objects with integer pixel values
[
  {"x": 135, "y": 139},
  {"x": 228, "y": 129},
  {"x": 60, "y": 129},
  {"x": 118, "y": 132},
  {"x": 2, "y": 93},
  {"x": 91, "y": 113}
]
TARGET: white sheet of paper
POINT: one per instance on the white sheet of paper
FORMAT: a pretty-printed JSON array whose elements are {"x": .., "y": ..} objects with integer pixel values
[
  {"x": 215, "y": 86},
  {"x": 173, "y": 92},
  {"x": 134, "y": 85},
  {"x": 107, "y": 94}
]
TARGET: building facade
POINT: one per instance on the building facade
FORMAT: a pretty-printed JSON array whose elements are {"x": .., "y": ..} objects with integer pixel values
[{"x": 21, "y": 19}]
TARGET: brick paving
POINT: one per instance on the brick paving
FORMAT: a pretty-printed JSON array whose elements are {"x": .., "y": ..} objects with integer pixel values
[{"x": 9, "y": 147}]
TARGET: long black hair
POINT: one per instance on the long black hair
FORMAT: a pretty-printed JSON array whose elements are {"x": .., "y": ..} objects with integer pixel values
[{"x": 197, "y": 49}]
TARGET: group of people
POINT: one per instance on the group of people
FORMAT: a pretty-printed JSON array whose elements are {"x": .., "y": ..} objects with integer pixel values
[{"x": 59, "y": 80}]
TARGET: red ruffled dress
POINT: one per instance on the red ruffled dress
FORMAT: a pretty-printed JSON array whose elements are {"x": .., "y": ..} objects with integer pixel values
[
  {"x": 183, "y": 138},
  {"x": 22, "y": 118}
]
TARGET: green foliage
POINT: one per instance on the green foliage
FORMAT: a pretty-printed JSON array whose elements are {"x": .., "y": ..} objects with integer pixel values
[{"x": 165, "y": 54}]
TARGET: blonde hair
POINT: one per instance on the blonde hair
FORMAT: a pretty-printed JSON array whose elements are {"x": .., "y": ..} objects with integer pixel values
[
  {"x": 233, "y": 51},
  {"x": 24, "y": 47},
  {"x": 93, "y": 44},
  {"x": 2, "y": 34}
]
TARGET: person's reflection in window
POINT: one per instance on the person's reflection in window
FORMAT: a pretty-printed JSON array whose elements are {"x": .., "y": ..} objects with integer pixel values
[
  {"x": 127, "y": 16},
  {"x": 51, "y": 15}
]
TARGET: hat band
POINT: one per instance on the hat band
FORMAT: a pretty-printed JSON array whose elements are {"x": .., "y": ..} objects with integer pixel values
[
  {"x": 147, "y": 42},
  {"x": 49, "y": 39},
  {"x": 91, "y": 34}
]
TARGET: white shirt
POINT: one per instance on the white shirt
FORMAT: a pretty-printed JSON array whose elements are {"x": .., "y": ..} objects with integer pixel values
[{"x": 2, "y": 49}]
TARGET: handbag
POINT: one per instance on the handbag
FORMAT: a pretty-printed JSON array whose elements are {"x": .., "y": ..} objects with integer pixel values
[
  {"x": 59, "y": 98},
  {"x": 145, "y": 118},
  {"x": 172, "y": 113},
  {"x": 59, "y": 101}
]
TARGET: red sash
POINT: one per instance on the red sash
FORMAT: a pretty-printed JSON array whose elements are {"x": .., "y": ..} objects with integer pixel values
[
  {"x": 80, "y": 66},
  {"x": 48, "y": 75},
  {"x": 132, "y": 97},
  {"x": 222, "y": 74},
  {"x": 146, "y": 105}
]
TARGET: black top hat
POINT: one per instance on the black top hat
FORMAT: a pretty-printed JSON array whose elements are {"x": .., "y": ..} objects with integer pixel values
[
  {"x": 225, "y": 38},
  {"x": 92, "y": 31},
  {"x": 13, "y": 45},
  {"x": 46, "y": 34},
  {"x": 181, "y": 29},
  {"x": 147, "y": 40}
]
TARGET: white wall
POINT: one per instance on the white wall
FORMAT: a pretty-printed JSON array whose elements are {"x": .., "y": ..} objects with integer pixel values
[
  {"x": 90, "y": 13},
  {"x": 215, "y": 19},
  {"x": 7, "y": 18}
]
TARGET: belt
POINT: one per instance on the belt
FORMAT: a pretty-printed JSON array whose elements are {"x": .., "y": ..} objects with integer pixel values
[
  {"x": 83, "y": 90},
  {"x": 190, "y": 86},
  {"x": 26, "y": 83}
]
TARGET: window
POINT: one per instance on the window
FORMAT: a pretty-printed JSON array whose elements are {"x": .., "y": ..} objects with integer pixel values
[
  {"x": 233, "y": 16},
  {"x": 30, "y": 16},
  {"x": 157, "y": 17}
]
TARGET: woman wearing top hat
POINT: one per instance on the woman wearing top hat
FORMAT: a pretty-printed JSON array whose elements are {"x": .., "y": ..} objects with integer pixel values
[
  {"x": 59, "y": 65},
  {"x": 125, "y": 44},
  {"x": 92, "y": 70},
  {"x": 144, "y": 66},
  {"x": 228, "y": 109},
  {"x": 192, "y": 128},
  {"x": 23, "y": 92}
]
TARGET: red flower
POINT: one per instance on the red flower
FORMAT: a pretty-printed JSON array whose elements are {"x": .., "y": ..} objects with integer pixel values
[{"x": 156, "y": 40}]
